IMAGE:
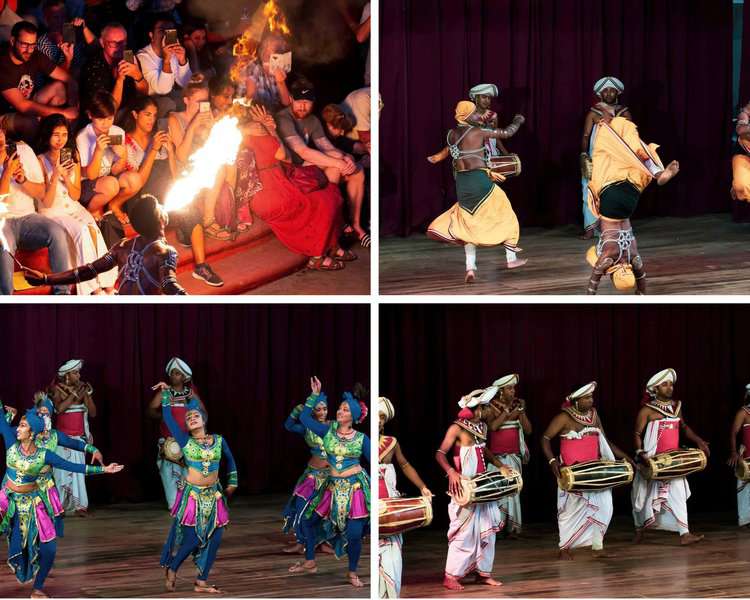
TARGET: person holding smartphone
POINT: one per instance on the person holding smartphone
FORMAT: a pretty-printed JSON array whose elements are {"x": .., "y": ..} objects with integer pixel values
[
  {"x": 165, "y": 65},
  {"x": 61, "y": 201}
]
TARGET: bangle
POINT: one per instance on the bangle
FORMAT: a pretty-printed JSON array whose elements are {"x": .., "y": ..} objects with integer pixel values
[{"x": 551, "y": 460}]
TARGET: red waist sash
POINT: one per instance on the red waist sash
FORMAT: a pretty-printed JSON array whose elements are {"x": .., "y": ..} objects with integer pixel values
[{"x": 578, "y": 450}]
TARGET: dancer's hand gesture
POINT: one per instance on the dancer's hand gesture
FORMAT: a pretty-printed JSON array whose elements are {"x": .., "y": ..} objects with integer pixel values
[
  {"x": 113, "y": 468},
  {"x": 315, "y": 385},
  {"x": 160, "y": 386},
  {"x": 229, "y": 490},
  {"x": 97, "y": 456}
]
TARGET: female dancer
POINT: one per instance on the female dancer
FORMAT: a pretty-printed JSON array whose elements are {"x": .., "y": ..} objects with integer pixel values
[
  {"x": 343, "y": 502},
  {"x": 24, "y": 515},
  {"x": 314, "y": 476},
  {"x": 307, "y": 223},
  {"x": 200, "y": 509},
  {"x": 61, "y": 202}
]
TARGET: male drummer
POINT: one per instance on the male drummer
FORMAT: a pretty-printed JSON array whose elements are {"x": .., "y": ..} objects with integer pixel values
[
  {"x": 390, "y": 547},
  {"x": 661, "y": 504},
  {"x": 742, "y": 423},
  {"x": 181, "y": 392},
  {"x": 74, "y": 404},
  {"x": 508, "y": 424},
  {"x": 582, "y": 517},
  {"x": 471, "y": 535}
]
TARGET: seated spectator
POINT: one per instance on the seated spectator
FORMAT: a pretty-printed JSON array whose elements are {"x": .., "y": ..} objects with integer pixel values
[
  {"x": 307, "y": 143},
  {"x": 61, "y": 202},
  {"x": 164, "y": 67},
  {"x": 107, "y": 71},
  {"x": 102, "y": 164},
  {"x": 340, "y": 127},
  {"x": 307, "y": 222},
  {"x": 200, "y": 56},
  {"x": 221, "y": 94},
  {"x": 20, "y": 66},
  {"x": 152, "y": 155},
  {"x": 189, "y": 130},
  {"x": 50, "y": 42},
  {"x": 22, "y": 179},
  {"x": 264, "y": 85},
  {"x": 8, "y": 18},
  {"x": 357, "y": 105}
]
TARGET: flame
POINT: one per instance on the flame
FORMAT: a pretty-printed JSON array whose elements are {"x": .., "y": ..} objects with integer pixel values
[
  {"x": 275, "y": 18},
  {"x": 220, "y": 149}
]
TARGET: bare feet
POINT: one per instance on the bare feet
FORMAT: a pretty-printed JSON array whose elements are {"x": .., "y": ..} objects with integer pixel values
[
  {"x": 326, "y": 548},
  {"x": 470, "y": 277},
  {"x": 81, "y": 512},
  {"x": 564, "y": 554},
  {"x": 672, "y": 169},
  {"x": 202, "y": 587},
  {"x": 689, "y": 538},
  {"x": 354, "y": 579},
  {"x": 452, "y": 583},
  {"x": 603, "y": 554},
  {"x": 487, "y": 580},
  {"x": 639, "y": 533},
  {"x": 519, "y": 262},
  {"x": 38, "y": 594},
  {"x": 308, "y": 567},
  {"x": 296, "y": 549},
  {"x": 170, "y": 580}
]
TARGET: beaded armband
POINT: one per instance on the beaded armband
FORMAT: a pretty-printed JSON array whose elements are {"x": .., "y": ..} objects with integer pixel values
[
  {"x": 312, "y": 399},
  {"x": 165, "y": 399},
  {"x": 94, "y": 470},
  {"x": 232, "y": 478},
  {"x": 90, "y": 449}
]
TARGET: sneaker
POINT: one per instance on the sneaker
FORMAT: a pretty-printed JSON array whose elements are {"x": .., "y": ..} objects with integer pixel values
[{"x": 205, "y": 273}]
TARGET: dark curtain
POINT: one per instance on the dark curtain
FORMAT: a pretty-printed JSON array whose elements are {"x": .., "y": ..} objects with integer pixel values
[
  {"x": 430, "y": 356},
  {"x": 251, "y": 365},
  {"x": 675, "y": 59}
]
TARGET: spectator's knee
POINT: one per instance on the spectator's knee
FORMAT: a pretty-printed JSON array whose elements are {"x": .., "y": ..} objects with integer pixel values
[
  {"x": 333, "y": 174},
  {"x": 108, "y": 186}
]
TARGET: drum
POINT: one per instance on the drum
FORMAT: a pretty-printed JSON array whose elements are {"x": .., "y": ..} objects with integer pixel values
[
  {"x": 673, "y": 464},
  {"x": 742, "y": 470},
  {"x": 489, "y": 487},
  {"x": 508, "y": 165},
  {"x": 398, "y": 515},
  {"x": 171, "y": 451},
  {"x": 595, "y": 475}
]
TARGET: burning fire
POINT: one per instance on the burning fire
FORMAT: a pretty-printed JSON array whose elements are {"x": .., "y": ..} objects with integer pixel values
[
  {"x": 220, "y": 149},
  {"x": 275, "y": 18},
  {"x": 268, "y": 17}
]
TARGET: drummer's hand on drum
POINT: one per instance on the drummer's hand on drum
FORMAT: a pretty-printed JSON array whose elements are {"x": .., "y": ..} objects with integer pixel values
[
  {"x": 704, "y": 446},
  {"x": 454, "y": 482},
  {"x": 426, "y": 492},
  {"x": 555, "y": 466},
  {"x": 734, "y": 458}
]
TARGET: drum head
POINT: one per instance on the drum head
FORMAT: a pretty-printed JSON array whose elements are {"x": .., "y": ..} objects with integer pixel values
[
  {"x": 172, "y": 450},
  {"x": 742, "y": 470},
  {"x": 566, "y": 479}
]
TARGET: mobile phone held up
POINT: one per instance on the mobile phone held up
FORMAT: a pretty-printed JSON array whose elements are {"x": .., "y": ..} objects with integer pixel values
[
  {"x": 170, "y": 37},
  {"x": 69, "y": 33},
  {"x": 66, "y": 155},
  {"x": 128, "y": 56},
  {"x": 11, "y": 147}
]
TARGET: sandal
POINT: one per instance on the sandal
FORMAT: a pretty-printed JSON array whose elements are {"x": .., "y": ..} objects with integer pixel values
[
  {"x": 365, "y": 240},
  {"x": 217, "y": 232},
  {"x": 206, "y": 589},
  {"x": 318, "y": 263},
  {"x": 299, "y": 567},
  {"x": 342, "y": 255},
  {"x": 243, "y": 227}
]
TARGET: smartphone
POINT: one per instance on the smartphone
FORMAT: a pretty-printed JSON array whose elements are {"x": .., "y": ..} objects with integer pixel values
[
  {"x": 66, "y": 154},
  {"x": 115, "y": 140},
  {"x": 205, "y": 107},
  {"x": 69, "y": 33},
  {"x": 128, "y": 56},
  {"x": 170, "y": 37},
  {"x": 11, "y": 147}
]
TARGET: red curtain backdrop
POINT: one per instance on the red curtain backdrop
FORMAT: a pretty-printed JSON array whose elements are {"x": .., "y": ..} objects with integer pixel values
[
  {"x": 675, "y": 59},
  {"x": 251, "y": 364},
  {"x": 430, "y": 356}
]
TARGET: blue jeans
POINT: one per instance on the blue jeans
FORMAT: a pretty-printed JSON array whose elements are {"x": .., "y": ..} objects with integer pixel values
[{"x": 32, "y": 232}]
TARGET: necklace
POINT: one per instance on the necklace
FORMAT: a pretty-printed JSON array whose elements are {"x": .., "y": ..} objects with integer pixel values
[{"x": 586, "y": 418}]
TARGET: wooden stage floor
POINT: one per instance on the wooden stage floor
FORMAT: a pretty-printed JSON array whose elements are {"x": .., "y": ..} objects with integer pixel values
[
  {"x": 115, "y": 553},
  {"x": 719, "y": 566},
  {"x": 702, "y": 255}
]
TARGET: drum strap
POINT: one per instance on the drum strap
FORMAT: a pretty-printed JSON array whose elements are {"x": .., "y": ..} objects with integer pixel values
[{"x": 387, "y": 444}]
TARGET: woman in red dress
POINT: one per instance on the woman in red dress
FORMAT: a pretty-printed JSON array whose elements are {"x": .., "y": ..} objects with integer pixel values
[{"x": 307, "y": 223}]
